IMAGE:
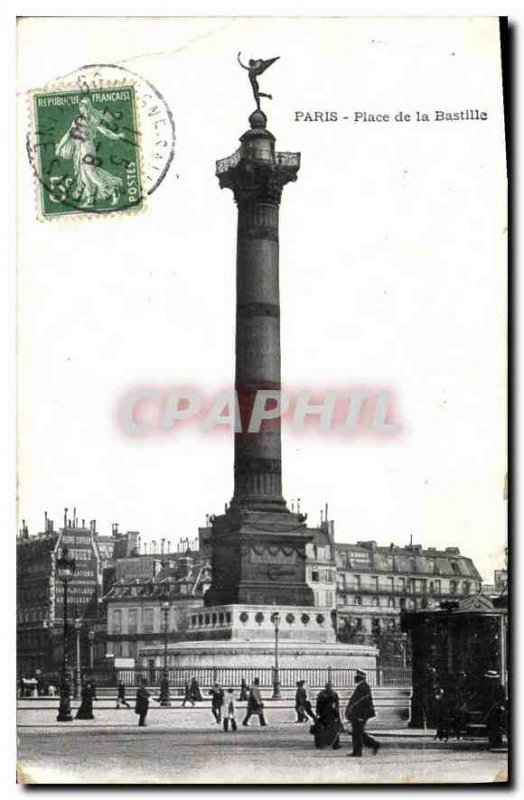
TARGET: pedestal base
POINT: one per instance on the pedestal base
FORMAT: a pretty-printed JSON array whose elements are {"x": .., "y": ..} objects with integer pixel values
[
  {"x": 253, "y": 656},
  {"x": 259, "y": 557},
  {"x": 243, "y": 637}
]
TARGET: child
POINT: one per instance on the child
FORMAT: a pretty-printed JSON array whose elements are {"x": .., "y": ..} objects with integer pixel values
[{"x": 229, "y": 711}]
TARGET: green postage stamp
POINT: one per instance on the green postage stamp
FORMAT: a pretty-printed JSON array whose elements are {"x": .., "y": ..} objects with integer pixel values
[{"x": 85, "y": 150}]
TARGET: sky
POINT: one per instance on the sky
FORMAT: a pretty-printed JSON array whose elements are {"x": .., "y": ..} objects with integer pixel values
[{"x": 392, "y": 271}]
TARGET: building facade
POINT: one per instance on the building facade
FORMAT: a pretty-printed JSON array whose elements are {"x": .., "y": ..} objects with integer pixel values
[
  {"x": 375, "y": 584},
  {"x": 135, "y": 614},
  {"x": 321, "y": 567},
  {"x": 118, "y": 591},
  {"x": 40, "y": 593}
]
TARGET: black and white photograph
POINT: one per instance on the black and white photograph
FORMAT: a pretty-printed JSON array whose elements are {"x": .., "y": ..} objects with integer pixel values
[{"x": 262, "y": 392}]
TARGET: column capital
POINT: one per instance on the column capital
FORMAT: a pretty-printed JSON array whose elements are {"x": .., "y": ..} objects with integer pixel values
[{"x": 259, "y": 181}]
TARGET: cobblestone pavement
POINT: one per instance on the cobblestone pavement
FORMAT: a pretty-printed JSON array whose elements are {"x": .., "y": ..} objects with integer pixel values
[{"x": 185, "y": 746}]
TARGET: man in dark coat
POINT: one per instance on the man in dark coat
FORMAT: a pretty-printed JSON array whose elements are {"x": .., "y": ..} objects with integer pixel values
[
  {"x": 194, "y": 691},
  {"x": 494, "y": 708},
  {"x": 244, "y": 690},
  {"x": 121, "y": 696},
  {"x": 255, "y": 704},
  {"x": 359, "y": 709},
  {"x": 303, "y": 703},
  {"x": 217, "y": 701},
  {"x": 328, "y": 723},
  {"x": 142, "y": 703}
]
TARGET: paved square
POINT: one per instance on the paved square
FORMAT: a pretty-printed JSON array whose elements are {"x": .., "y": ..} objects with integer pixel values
[{"x": 185, "y": 746}]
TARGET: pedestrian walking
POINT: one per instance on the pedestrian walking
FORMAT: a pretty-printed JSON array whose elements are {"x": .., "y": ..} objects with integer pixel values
[
  {"x": 142, "y": 703},
  {"x": 187, "y": 696},
  {"x": 359, "y": 709},
  {"x": 228, "y": 711},
  {"x": 121, "y": 696},
  {"x": 217, "y": 701},
  {"x": 85, "y": 710},
  {"x": 194, "y": 691},
  {"x": 303, "y": 703},
  {"x": 244, "y": 691},
  {"x": 255, "y": 705},
  {"x": 494, "y": 708},
  {"x": 328, "y": 724}
]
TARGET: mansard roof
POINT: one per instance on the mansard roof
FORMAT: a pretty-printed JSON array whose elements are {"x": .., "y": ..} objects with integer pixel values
[{"x": 412, "y": 559}]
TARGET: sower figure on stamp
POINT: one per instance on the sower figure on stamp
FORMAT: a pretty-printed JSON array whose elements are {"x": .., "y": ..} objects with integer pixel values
[
  {"x": 359, "y": 709},
  {"x": 90, "y": 181},
  {"x": 257, "y": 67}
]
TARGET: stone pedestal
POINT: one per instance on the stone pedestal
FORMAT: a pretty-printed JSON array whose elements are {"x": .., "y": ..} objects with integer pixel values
[
  {"x": 259, "y": 557},
  {"x": 243, "y": 636}
]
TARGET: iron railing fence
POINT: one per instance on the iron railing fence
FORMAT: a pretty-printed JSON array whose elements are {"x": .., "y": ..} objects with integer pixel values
[{"x": 315, "y": 678}]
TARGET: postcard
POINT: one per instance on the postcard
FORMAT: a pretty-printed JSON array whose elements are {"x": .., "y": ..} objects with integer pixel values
[{"x": 262, "y": 400}]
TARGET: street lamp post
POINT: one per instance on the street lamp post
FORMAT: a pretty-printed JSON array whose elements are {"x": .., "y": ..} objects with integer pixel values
[
  {"x": 165, "y": 699},
  {"x": 65, "y": 568},
  {"x": 275, "y": 619},
  {"x": 78, "y": 668},
  {"x": 91, "y": 637}
]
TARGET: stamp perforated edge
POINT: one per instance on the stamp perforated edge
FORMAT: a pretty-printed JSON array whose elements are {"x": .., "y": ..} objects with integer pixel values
[{"x": 54, "y": 87}]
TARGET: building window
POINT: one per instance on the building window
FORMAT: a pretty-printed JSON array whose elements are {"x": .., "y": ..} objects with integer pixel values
[
  {"x": 148, "y": 620},
  {"x": 314, "y": 575},
  {"x": 358, "y": 600},
  {"x": 117, "y": 649},
  {"x": 403, "y": 602},
  {"x": 453, "y": 587},
  {"x": 117, "y": 621},
  {"x": 466, "y": 587},
  {"x": 391, "y": 602},
  {"x": 132, "y": 620},
  {"x": 374, "y": 601},
  {"x": 402, "y": 584}
]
